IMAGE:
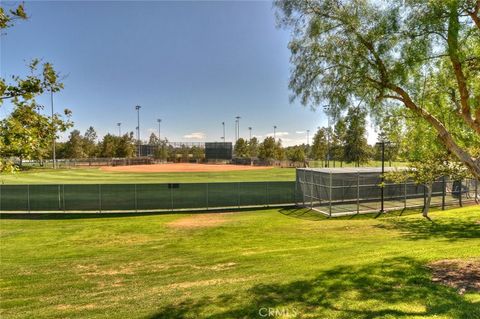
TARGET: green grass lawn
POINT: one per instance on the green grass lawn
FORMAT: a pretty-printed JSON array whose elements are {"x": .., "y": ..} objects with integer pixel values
[
  {"x": 232, "y": 265},
  {"x": 95, "y": 175}
]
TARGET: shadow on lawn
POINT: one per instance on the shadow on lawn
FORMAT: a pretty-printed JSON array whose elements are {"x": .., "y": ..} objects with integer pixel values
[
  {"x": 398, "y": 287},
  {"x": 106, "y": 214},
  {"x": 310, "y": 214},
  {"x": 418, "y": 229}
]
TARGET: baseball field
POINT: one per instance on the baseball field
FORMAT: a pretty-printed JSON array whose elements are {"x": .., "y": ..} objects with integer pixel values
[{"x": 161, "y": 173}]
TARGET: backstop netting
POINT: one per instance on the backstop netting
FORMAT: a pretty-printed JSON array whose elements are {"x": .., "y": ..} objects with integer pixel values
[{"x": 346, "y": 191}]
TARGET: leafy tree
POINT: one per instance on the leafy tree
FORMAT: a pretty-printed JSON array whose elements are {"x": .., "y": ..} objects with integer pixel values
[
  {"x": 162, "y": 151},
  {"x": 125, "y": 146},
  {"x": 296, "y": 154},
  {"x": 241, "y": 148},
  {"x": 356, "y": 148},
  {"x": 108, "y": 146},
  {"x": 26, "y": 133},
  {"x": 280, "y": 153},
  {"x": 421, "y": 55},
  {"x": 338, "y": 140},
  {"x": 74, "y": 146},
  {"x": 90, "y": 142},
  {"x": 153, "y": 139},
  {"x": 267, "y": 149},
  {"x": 253, "y": 147},
  {"x": 428, "y": 159},
  {"x": 198, "y": 153},
  {"x": 319, "y": 145}
]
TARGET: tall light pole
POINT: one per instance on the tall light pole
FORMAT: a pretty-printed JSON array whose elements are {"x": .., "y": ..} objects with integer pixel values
[
  {"x": 159, "y": 122},
  {"x": 223, "y": 128},
  {"x": 54, "y": 133},
  {"x": 250, "y": 130},
  {"x": 119, "y": 124},
  {"x": 236, "y": 124},
  {"x": 138, "y": 128},
  {"x": 327, "y": 108},
  {"x": 238, "y": 127},
  {"x": 308, "y": 137},
  {"x": 274, "y": 131}
]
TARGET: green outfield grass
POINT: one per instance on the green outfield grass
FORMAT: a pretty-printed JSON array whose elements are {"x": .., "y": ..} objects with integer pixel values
[
  {"x": 233, "y": 265},
  {"x": 95, "y": 175}
]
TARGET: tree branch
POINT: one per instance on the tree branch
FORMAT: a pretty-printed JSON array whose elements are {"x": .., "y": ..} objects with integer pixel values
[
  {"x": 443, "y": 133},
  {"x": 453, "y": 29},
  {"x": 474, "y": 14}
]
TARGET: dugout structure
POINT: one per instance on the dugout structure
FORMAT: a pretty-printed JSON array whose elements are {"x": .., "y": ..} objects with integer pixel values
[
  {"x": 349, "y": 191},
  {"x": 218, "y": 151}
]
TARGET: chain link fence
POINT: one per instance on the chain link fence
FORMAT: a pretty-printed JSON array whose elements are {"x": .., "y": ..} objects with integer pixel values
[
  {"x": 338, "y": 192},
  {"x": 144, "y": 197}
]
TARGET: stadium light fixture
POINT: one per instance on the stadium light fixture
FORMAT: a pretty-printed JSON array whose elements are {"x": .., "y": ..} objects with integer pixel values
[
  {"x": 237, "y": 127},
  {"x": 119, "y": 124},
  {"x": 223, "y": 127}
]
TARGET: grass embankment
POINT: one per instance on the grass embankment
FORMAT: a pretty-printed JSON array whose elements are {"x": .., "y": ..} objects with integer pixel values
[{"x": 234, "y": 265}]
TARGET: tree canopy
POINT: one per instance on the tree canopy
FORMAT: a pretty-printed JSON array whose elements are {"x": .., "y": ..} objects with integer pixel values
[{"x": 421, "y": 55}]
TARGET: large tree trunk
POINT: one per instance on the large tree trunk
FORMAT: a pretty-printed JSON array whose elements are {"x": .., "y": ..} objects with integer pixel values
[{"x": 426, "y": 208}]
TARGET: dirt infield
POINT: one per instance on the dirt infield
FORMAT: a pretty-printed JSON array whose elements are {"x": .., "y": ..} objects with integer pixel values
[{"x": 181, "y": 167}]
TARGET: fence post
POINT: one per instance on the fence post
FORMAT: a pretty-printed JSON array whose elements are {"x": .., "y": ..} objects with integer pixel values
[
  {"x": 0, "y": 197},
  {"x": 28, "y": 197},
  {"x": 444, "y": 186},
  {"x": 100, "y": 197},
  {"x": 330, "y": 197},
  {"x": 476, "y": 191},
  {"x": 358, "y": 192},
  {"x": 460, "y": 194},
  {"x": 405, "y": 194},
  {"x": 295, "y": 193},
  {"x": 59, "y": 198},
  {"x": 206, "y": 184},
  {"x": 63, "y": 196},
  {"x": 171, "y": 195},
  {"x": 311, "y": 189},
  {"x": 303, "y": 190},
  {"x": 135, "y": 197},
  {"x": 266, "y": 194},
  {"x": 238, "y": 195}
]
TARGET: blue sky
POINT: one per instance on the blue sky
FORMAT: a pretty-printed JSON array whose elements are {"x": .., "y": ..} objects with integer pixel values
[{"x": 192, "y": 64}]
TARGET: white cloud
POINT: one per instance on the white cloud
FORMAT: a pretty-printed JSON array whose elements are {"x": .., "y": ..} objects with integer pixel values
[
  {"x": 278, "y": 134},
  {"x": 195, "y": 136},
  {"x": 300, "y": 132}
]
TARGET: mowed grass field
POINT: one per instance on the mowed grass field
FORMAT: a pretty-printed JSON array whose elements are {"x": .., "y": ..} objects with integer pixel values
[
  {"x": 96, "y": 175},
  {"x": 232, "y": 265}
]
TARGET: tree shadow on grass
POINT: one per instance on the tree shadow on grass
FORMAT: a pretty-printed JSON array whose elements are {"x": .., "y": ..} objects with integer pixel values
[
  {"x": 395, "y": 288},
  {"x": 302, "y": 213},
  {"x": 417, "y": 229},
  {"x": 107, "y": 214}
]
